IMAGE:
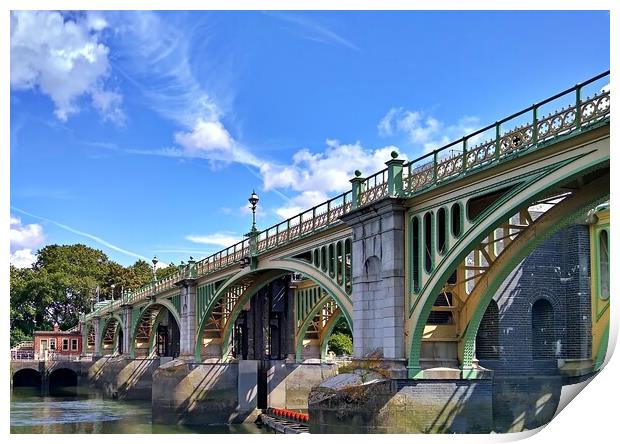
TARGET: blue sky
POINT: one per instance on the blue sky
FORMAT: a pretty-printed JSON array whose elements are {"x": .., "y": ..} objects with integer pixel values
[{"x": 143, "y": 133}]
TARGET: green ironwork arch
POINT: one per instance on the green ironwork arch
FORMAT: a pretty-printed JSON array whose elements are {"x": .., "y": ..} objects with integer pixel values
[
  {"x": 163, "y": 302},
  {"x": 304, "y": 326},
  {"x": 529, "y": 190},
  {"x": 329, "y": 328},
  {"x": 286, "y": 266},
  {"x": 248, "y": 293},
  {"x": 89, "y": 325},
  {"x": 156, "y": 323},
  {"x": 103, "y": 330},
  {"x": 548, "y": 224}
]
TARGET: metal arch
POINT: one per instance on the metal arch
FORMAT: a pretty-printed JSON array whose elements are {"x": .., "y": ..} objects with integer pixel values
[
  {"x": 156, "y": 322},
  {"x": 500, "y": 210},
  {"x": 329, "y": 328},
  {"x": 104, "y": 329},
  {"x": 255, "y": 286},
  {"x": 301, "y": 331},
  {"x": 286, "y": 265},
  {"x": 163, "y": 302},
  {"x": 549, "y": 223},
  {"x": 89, "y": 326}
]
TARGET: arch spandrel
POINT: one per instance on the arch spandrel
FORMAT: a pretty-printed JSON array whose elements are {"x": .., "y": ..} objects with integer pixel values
[{"x": 536, "y": 187}]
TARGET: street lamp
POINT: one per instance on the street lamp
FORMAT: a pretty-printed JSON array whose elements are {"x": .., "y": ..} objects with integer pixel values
[
  {"x": 254, "y": 202},
  {"x": 154, "y": 267},
  {"x": 112, "y": 287}
]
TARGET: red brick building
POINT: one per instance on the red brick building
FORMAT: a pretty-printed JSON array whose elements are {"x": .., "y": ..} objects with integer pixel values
[{"x": 57, "y": 342}]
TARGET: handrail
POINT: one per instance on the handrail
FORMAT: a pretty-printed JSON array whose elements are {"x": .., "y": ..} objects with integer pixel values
[{"x": 439, "y": 168}]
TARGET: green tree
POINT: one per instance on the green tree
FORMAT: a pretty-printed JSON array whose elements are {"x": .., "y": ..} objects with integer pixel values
[
  {"x": 163, "y": 273},
  {"x": 341, "y": 339},
  {"x": 142, "y": 273},
  {"x": 340, "y": 344},
  {"x": 61, "y": 284}
]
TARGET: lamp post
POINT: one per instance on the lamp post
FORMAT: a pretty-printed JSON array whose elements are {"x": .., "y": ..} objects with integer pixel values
[
  {"x": 252, "y": 235},
  {"x": 253, "y": 202},
  {"x": 155, "y": 260},
  {"x": 112, "y": 292}
]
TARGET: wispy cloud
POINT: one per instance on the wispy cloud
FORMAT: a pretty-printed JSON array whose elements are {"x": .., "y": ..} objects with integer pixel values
[
  {"x": 424, "y": 130},
  {"x": 223, "y": 239},
  {"x": 84, "y": 234},
  {"x": 313, "y": 30},
  {"x": 154, "y": 54}
]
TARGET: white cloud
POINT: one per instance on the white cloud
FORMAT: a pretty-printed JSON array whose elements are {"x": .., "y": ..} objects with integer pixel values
[
  {"x": 302, "y": 202},
  {"x": 316, "y": 177},
  {"x": 424, "y": 130},
  {"x": 326, "y": 172},
  {"x": 155, "y": 54},
  {"x": 210, "y": 140},
  {"x": 223, "y": 239},
  {"x": 22, "y": 258},
  {"x": 24, "y": 238},
  {"x": 64, "y": 59}
]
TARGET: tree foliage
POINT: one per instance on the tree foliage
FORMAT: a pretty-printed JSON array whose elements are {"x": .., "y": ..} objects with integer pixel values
[
  {"x": 67, "y": 280},
  {"x": 341, "y": 339},
  {"x": 340, "y": 344}
]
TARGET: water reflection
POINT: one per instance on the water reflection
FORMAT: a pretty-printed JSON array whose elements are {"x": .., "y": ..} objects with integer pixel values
[{"x": 91, "y": 413}]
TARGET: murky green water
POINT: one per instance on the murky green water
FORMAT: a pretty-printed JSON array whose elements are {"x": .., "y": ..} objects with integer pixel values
[{"x": 91, "y": 413}]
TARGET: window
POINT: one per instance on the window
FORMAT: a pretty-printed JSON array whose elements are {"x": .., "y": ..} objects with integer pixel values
[
  {"x": 52, "y": 344},
  {"x": 74, "y": 344},
  {"x": 43, "y": 345},
  {"x": 65, "y": 344},
  {"x": 603, "y": 246}
]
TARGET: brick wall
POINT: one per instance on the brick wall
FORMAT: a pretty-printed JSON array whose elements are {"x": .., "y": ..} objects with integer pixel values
[{"x": 557, "y": 271}]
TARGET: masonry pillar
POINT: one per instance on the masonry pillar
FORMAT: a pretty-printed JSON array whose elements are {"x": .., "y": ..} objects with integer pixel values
[
  {"x": 378, "y": 278},
  {"x": 127, "y": 333},
  {"x": 188, "y": 319},
  {"x": 97, "y": 325}
]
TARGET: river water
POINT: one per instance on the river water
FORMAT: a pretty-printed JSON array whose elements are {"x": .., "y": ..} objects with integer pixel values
[{"x": 92, "y": 413}]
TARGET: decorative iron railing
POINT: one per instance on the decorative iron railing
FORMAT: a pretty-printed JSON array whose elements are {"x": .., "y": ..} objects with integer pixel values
[{"x": 452, "y": 161}]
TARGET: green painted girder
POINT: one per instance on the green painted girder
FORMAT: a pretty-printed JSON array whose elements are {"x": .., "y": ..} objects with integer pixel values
[
  {"x": 533, "y": 187},
  {"x": 267, "y": 271},
  {"x": 139, "y": 312}
]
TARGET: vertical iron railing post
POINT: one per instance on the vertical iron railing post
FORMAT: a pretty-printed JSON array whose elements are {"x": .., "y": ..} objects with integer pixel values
[
  {"x": 497, "y": 139},
  {"x": 435, "y": 166},
  {"x": 535, "y": 124},
  {"x": 464, "y": 155},
  {"x": 578, "y": 105}
]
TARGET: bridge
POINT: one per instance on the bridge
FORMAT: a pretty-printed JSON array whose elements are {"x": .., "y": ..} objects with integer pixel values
[{"x": 413, "y": 257}]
